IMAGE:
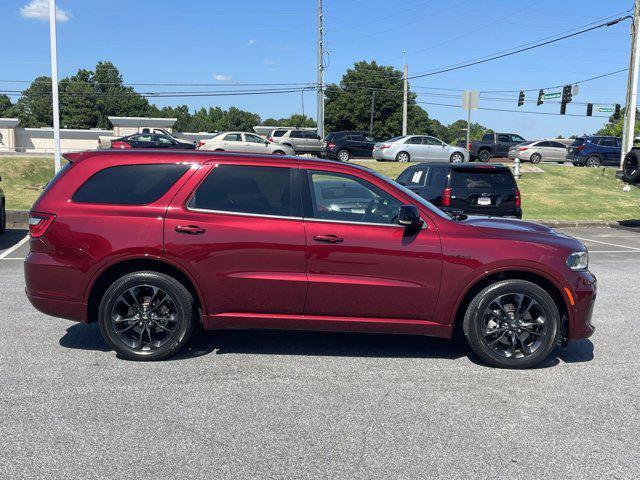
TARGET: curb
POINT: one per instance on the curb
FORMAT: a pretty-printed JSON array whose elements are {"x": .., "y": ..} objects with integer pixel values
[{"x": 17, "y": 219}]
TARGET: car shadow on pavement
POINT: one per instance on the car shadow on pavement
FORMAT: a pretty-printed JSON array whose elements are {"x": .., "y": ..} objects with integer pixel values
[
  {"x": 11, "y": 237},
  {"x": 276, "y": 342}
]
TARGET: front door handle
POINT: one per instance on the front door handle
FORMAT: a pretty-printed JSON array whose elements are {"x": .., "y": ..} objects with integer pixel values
[
  {"x": 328, "y": 238},
  {"x": 189, "y": 229}
]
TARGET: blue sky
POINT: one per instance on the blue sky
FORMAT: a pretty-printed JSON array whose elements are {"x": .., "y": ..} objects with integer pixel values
[{"x": 198, "y": 41}]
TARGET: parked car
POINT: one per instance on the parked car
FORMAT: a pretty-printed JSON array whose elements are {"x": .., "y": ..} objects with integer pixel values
[
  {"x": 300, "y": 140},
  {"x": 240, "y": 242},
  {"x": 418, "y": 148},
  {"x": 151, "y": 140},
  {"x": 492, "y": 145},
  {"x": 594, "y": 151},
  {"x": 465, "y": 188},
  {"x": 344, "y": 145},
  {"x": 243, "y": 142},
  {"x": 539, "y": 150},
  {"x": 3, "y": 211}
]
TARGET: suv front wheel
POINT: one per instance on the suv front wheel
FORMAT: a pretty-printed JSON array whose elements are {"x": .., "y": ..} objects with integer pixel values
[
  {"x": 512, "y": 324},
  {"x": 146, "y": 316}
]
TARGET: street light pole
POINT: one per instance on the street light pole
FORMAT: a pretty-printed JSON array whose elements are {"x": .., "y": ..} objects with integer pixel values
[
  {"x": 320, "y": 108},
  {"x": 54, "y": 83},
  {"x": 628, "y": 133},
  {"x": 405, "y": 99},
  {"x": 373, "y": 106}
]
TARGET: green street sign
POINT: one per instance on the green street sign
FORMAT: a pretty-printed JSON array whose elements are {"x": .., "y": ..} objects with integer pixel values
[
  {"x": 551, "y": 96},
  {"x": 605, "y": 109}
]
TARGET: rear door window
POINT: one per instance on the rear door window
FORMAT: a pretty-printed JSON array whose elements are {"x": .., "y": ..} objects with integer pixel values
[
  {"x": 310, "y": 135},
  {"x": 504, "y": 138},
  {"x": 489, "y": 179},
  {"x": 129, "y": 184},
  {"x": 438, "y": 177},
  {"x": 296, "y": 134},
  {"x": 413, "y": 177},
  {"x": 607, "y": 142},
  {"x": 246, "y": 189}
]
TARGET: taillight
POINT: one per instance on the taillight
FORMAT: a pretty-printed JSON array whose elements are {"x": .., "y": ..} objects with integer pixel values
[
  {"x": 469, "y": 146},
  {"x": 446, "y": 197},
  {"x": 200, "y": 144},
  {"x": 518, "y": 199},
  {"x": 384, "y": 145},
  {"x": 331, "y": 146},
  {"x": 522, "y": 149},
  {"x": 39, "y": 223},
  {"x": 580, "y": 147}
]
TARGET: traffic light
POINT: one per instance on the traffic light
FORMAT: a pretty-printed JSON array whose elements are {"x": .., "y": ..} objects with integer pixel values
[
  {"x": 566, "y": 94},
  {"x": 540, "y": 97},
  {"x": 521, "y": 98},
  {"x": 563, "y": 108},
  {"x": 589, "y": 109},
  {"x": 616, "y": 112}
]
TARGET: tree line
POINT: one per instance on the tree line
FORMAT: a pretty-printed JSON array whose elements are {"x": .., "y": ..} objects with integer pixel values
[{"x": 89, "y": 97}]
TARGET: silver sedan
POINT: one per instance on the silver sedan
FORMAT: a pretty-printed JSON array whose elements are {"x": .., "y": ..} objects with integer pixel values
[
  {"x": 243, "y": 142},
  {"x": 539, "y": 150},
  {"x": 418, "y": 148}
]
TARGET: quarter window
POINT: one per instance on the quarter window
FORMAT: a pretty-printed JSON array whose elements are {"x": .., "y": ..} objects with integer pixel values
[
  {"x": 334, "y": 196},
  {"x": 129, "y": 184},
  {"x": 246, "y": 189},
  {"x": 233, "y": 137}
]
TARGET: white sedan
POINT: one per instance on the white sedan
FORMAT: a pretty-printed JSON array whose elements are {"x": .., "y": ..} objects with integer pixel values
[
  {"x": 243, "y": 142},
  {"x": 418, "y": 148}
]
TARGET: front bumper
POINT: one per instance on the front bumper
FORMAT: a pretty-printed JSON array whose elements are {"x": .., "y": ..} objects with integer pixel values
[{"x": 584, "y": 292}]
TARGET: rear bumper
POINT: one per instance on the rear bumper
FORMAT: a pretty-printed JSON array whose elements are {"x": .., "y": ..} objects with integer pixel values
[
  {"x": 59, "y": 308},
  {"x": 382, "y": 155}
]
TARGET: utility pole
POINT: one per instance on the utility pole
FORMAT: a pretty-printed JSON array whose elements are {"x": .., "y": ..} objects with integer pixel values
[
  {"x": 405, "y": 98},
  {"x": 469, "y": 121},
  {"x": 628, "y": 133},
  {"x": 54, "y": 83},
  {"x": 373, "y": 106},
  {"x": 320, "y": 113}
]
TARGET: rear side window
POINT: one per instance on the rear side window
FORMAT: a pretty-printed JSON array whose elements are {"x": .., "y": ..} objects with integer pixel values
[
  {"x": 246, "y": 189},
  {"x": 488, "y": 179},
  {"x": 438, "y": 177},
  {"x": 413, "y": 177},
  {"x": 487, "y": 137},
  {"x": 129, "y": 184},
  {"x": 278, "y": 133}
]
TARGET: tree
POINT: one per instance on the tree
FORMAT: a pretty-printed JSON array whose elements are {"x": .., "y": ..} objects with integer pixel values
[
  {"x": 615, "y": 125},
  {"x": 236, "y": 119},
  {"x": 458, "y": 130},
  {"x": 7, "y": 109},
  {"x": 77, "y": 101},
  {"x": 34, "y": 106}
]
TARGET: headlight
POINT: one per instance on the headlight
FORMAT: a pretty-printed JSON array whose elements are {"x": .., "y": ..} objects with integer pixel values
[{"x": 578, "y": 261}]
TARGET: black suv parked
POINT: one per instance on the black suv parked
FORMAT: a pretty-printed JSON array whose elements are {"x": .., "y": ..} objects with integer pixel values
[
  {"x": 344, "y": 145},
  {"x": 465, "y": 188}
]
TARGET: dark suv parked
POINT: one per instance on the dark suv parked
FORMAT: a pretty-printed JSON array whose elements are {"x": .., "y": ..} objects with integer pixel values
[
  {"x": 595, "y": 151},
  {"x": 345, "y": 145},
  {"x": 465, "y": 188}
]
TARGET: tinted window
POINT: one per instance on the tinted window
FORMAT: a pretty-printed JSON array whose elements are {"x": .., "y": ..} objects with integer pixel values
[
  {"x": 557, "y": 145},
  {"x": 607, "y": 142},
  {"x": 246, "y": 189},
  {"x": 504, "y": 138},
  {"x": 414, "y": 141},
  {"x": 296, "y": 134},
  {"x": 413, "y": 177},
  {"x": 164, "y": 140},
  {"x": 438, "y": 177},
  {"x": 517, "y": 138},
  {"x": 577, "y": 142},
  {"x": 485, "y": 179},
  {"x": 432, "y": 141},
  {"x": 253, "y": 138},
  {"x": 346, "y": 198},
  {"x": 543, "y": 144},
  {"x": 487, "y": 137},
  {"x": 618, "y": 142},
  {"x": 357, "y": 137},
  {"x": 129, "y": 184},
  {"x": 312, "y": 135},
  {"x": 278, "y": 133}
]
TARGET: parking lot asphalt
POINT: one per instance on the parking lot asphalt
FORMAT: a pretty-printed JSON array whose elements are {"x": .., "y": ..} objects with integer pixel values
[{"x": 314, "y": 405}]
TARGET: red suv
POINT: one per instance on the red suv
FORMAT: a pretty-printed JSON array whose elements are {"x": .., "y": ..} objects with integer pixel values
[{"x": 151, "y": 243}]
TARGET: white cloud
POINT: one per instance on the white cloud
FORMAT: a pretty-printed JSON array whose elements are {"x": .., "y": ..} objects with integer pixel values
[
  {"x": 39, "y": 9},
  {"x": 251, "y": 42},
  {"x": 222, "y": 78}
]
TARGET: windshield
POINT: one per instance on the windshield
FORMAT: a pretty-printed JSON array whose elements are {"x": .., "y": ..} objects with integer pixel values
[{"x": 417, "y": 198}]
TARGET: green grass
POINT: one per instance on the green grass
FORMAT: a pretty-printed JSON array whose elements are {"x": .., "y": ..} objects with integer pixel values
[
  {"x": 564, "y": 193},
  {"x": 560, "y": 193}
]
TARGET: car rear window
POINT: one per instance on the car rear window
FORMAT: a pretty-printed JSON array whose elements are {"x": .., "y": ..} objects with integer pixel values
[
  {"x": 485, "y": 179},
  {"x": 129, "y": 184},
  {"x": 438, "y": 177},
  {"x": 577, "y": 142}
]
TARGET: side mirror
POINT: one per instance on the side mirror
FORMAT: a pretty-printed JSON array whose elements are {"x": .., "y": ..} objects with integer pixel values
[
  {"x": 266, "y": 142},
  {"x": 409, "y": 216}
]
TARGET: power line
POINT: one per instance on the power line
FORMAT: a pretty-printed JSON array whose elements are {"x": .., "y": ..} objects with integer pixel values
[{"x": 514, "y": 111}]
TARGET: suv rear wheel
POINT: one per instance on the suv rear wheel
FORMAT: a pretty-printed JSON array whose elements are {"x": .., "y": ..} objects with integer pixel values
[
  {"x": 146, "y": 316},
  {"x": 593, "y": 162},
  {"x": 484, "y": 156},
  {"x": 512, "y": 324},
  {"x": 631, "y": 166}
]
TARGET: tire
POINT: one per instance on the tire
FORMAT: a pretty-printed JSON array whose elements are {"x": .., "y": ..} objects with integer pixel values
[
  {"x": 497, "y": 349},
  {"x": 456, "y": 157},
  {"x": 279, "y": 152},
  {"x": 117, "y": 303},
  {"x": 218, "y": 150},
  {"x": 3, "y": 218},
  {"x": 343, "y": 155},
  {"x": 403, "y": 157},
  {"x": 484, "y": 156},
  {"x": 592, "y": 161},
  {"x": 631, "y": 166},
  {"x": 535, "y": 158}
]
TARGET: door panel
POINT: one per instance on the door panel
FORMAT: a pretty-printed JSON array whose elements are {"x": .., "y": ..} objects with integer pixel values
[
  {"x": 243, "y": 263},
  {"x": 363, "y": 269}
]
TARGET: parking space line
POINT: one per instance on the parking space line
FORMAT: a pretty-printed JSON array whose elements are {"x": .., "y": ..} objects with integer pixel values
[
  {"x": 9, "y": 251},
  {"x": 607, "y": 243}
]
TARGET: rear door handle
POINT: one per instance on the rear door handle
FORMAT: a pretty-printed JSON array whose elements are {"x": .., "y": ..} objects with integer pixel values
[
  {"x": 189, "y": 229},
  {"x": 328, "y": 238}
]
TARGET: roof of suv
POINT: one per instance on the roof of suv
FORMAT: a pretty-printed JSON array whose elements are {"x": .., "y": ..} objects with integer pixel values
[{"x": 465, "y": 165}]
